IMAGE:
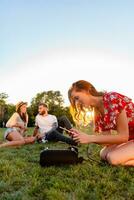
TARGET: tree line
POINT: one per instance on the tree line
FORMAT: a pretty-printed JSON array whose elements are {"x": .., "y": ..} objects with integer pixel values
[{"x": 53, "y": 99}]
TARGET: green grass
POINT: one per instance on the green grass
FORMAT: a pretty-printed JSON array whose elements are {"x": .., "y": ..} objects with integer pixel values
[{"x": 22, "y": 178}]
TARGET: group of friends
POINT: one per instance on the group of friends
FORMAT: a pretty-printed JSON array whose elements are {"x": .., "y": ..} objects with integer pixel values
[
  {"x": 47, "y": 127},
  {"x": 112, "y": 111}
]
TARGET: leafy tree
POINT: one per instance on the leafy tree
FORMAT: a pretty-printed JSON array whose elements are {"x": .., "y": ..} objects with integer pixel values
[
  {"x": 10, "y": 110},
  {"x": 3, "y": 98},
  {"x": 53, "y": 99},
  {"x": 55, "y": 103},
  {"x": 31, "y": 117},
  {"x": 3, "y": 107}
]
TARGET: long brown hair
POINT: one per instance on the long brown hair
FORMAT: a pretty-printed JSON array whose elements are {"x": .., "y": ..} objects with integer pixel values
[
  {"x": 23, "y": 116},
  {"x": 79, "y": 86}
]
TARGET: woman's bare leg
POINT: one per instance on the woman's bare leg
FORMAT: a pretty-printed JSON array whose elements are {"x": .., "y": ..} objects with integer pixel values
[
  {"x": 122, "y": 154},
  {"x": 13, "y": 143},
  {"x": 15, "y": 139},
  {"x": 106, "y": 150},
  {"x": 14, "y": 136}
]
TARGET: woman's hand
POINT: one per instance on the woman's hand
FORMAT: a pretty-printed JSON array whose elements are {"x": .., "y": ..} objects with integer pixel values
[
  {"x": 80, "y": 137},
  {"x": 25, "y": 129},
  {"x": 19, "y": 125},
  {"x": 40, "y": 135}
]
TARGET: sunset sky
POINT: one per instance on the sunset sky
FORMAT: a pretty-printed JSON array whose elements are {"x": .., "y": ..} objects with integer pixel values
[{"x": 49, "y": 44}]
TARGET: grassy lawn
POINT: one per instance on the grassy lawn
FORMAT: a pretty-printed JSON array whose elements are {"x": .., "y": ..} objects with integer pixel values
[{"x": 22, "y": 178}]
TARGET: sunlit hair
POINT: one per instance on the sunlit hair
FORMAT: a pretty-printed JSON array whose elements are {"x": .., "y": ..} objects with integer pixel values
[{"x": 77, "y": 109}]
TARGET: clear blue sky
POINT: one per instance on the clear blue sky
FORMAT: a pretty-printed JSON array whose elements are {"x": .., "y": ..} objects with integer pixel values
[{"x": 42, "y": 31}]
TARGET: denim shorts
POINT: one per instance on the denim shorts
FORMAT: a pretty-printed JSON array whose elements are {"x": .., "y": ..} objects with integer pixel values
[{"x": 9, "y": 130}]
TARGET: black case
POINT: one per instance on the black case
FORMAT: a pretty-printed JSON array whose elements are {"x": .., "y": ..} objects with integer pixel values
[{"x": 59, "y": 156}]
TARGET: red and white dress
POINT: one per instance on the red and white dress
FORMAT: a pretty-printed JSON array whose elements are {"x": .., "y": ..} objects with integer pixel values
[{"x": 114, "y": 103}]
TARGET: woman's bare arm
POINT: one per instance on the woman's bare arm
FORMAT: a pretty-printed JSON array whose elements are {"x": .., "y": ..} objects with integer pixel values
[{"x": 121, "y": 136}]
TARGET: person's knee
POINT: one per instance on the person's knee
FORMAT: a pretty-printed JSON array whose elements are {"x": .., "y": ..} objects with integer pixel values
[
  {"x": 14, "y": 136},
  {"x": 64, "y": 121},
  {"x": 63, "y": 117},
  {"x": 112, "y": 158}
]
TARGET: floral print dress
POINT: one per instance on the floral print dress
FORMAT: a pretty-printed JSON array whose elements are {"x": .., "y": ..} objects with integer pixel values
[{"x": 114, "y": 103}]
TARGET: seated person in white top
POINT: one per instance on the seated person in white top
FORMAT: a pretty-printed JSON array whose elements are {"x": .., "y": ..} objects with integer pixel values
[
  {"x": 46, "y": 126},
  {"x": 16, "y": 127}
]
